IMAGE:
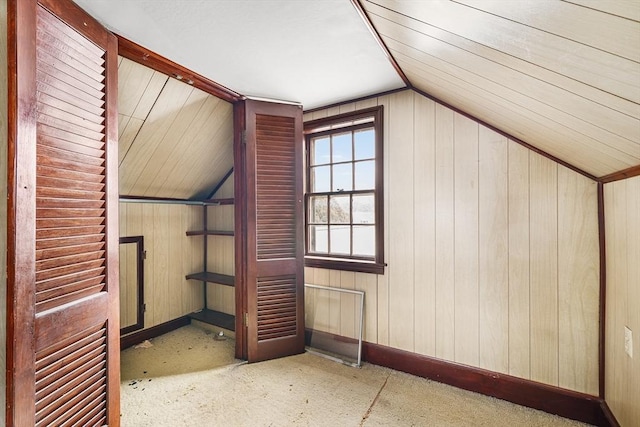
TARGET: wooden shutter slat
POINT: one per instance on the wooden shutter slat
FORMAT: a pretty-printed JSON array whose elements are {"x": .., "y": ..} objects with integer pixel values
[
  {"x": 50, "y": 131},
  {"x": 68, "y": 222},
  {"x": 42, "y": 275},
  {"x": 64, "y": 193},
  {"x": 58, "y": 67},
  {"x": 88, "y": 416},
  {"x": 68, "y": 250},
  {"x": 56, "y": 40},
  {"x": 67, "y": 279},
  {"x": 60, "y": 411},
  {"x": 73, "y": 67},
  {"x": 70, "y": 165},
  {"x": 62, "y": 353},
  {"x": 57, "y": 27},
  {"x": 68, "y": 213},
  {"x": 70, "y": 156},
  {"x": 67, "y": 126},
  {"x": 76, "y": 89},
  {"x": 70, "y": 375},
  {"x": 56, "y": 98},
  {"x": 66, "y": 117},
  {"x": 68, "y": 241},
  {"x": 67, "y": 184},
  {"x": 72, "y": 147},
  {"x": 68, "y": 260}
]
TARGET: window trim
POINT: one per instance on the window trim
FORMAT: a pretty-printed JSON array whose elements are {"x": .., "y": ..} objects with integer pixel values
[{"x": 318, "y": 127}]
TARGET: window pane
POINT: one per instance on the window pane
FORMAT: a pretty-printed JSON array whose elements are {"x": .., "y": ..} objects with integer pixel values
[
  {"x": 364, "y": 144},
  {"x": 318, "y": 209},
  {"x": 340, "y": 210},
  {"x": 364, "y": 240},
  {"x": 320, "y": 179},
  {"x": 365, "y": 175},
  {"x": 363, "y": 211},
  {"x": 342, "y": 151},
  {"x": 320, "y": 153},
  {"x": 340, "y": 239},
  {"x": 342, "y": 177},
  {"x": 318, "y": 238}
]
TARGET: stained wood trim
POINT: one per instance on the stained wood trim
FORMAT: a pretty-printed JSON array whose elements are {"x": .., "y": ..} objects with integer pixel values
[
  {"x": 374, "y": 33},
  {"x": 240, "y": 221},
  {"x": 608, "y": 415},
  {"x": 623, "y": 174},
  {"x": 21, "y": 183},
  {"x": 155, "y": 331},
  {"x": 603, "y": 292},
  {"x": 554, "y": 400},
  {"x": 139, "y": 241},
  {"x": 148, "y": 58}
]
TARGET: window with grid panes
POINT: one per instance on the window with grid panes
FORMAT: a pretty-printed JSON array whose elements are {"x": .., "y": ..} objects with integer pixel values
[{"x": 344, "y": 227}]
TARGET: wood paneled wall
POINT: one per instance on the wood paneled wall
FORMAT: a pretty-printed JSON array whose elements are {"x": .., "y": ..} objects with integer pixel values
[
  {"x": 622, "y": 231},
  {"x": 171, "y": 255},
  {"x": 3, "y": 205},
  {"x": 492, "y": 251},
  {"x": 221, "y": 256}
]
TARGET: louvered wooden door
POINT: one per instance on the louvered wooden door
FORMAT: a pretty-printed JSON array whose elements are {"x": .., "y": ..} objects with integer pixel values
[
  {"x": 274, "y": 243},
  {"x": 63, "y": 238}
]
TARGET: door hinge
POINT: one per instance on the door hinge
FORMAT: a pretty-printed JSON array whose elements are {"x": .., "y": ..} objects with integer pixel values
[
  {"x": 243, "y": 137},
  {"x": 144, "y": 255},
  {"x": 144, "y": 308},
  {"x": 246, "y": 320}
]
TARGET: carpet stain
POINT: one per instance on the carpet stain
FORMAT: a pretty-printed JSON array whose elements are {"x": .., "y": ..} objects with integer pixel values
[{"x": 375, "y": 399}]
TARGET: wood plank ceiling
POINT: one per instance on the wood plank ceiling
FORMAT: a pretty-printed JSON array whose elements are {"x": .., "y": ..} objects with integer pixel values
[
  {"x": 175, "y": 141},
  {"x": 562, "y": 76}
]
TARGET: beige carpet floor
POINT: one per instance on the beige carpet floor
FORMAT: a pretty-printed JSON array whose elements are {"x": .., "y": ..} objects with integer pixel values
[{"x": 188, "y": 378}]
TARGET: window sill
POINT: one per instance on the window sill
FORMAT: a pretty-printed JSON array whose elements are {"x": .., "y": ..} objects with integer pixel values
[{"x": 345, "y": 264}]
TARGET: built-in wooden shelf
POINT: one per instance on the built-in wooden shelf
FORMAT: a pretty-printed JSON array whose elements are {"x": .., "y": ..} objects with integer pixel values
[
  {"x": 207, "y": 276},
  {"x": 210, "y": 233},
  {"x": 216, "y": 318}
]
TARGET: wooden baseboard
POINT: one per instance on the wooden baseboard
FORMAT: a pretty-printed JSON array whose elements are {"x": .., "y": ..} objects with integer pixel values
[
  {"x": 608, "y": 418},
  {"x": 554, "y": 400},
  {"x": 152, "y": 332}
]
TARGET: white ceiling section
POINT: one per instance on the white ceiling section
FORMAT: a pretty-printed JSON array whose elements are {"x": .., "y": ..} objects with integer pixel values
[
  {"x": 563, "y": 76},
  {"x": 315, "y": 52}
]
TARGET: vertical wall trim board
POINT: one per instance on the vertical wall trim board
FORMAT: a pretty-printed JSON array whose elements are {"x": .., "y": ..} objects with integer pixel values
[{"x": 603, "y": 292}]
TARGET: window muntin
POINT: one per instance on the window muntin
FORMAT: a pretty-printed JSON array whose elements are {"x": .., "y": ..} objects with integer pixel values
[{"x": 344, "y": 194}]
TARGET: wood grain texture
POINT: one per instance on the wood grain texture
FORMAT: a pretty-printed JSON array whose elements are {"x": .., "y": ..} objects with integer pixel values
[
  {"x": 543, "y": 262},
  {"x": 578, "y": 280},
  {"x": 488, "y": 280},
  {"x": 401, "y": 261},
  {"x": 465, "y": 240},
  {"x": 171, "y": 255},
  {"x": 424, "y": 191},
  {"x": 493, "y": 243},
  {"x": 622, "y": 373},
  {"x": 3, "y": 205},
  {"x": 175, "y": 140},
  {"x": 560, "y": 103}
]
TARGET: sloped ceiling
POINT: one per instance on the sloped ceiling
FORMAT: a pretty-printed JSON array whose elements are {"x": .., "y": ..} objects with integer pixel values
[
  {"x": 175, "y": 141},
  {"x": 561, "y": 76}
]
